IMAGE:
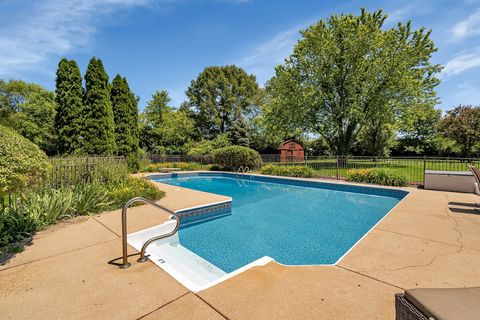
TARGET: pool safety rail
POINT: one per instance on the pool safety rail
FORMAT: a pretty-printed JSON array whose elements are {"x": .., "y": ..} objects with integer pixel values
[
  {"x": 125, "y": 264},
  {"x": 241, "y": 171}
]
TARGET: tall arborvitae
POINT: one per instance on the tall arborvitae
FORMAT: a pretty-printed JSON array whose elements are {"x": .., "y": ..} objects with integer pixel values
[
  {"x": 68, "y": 100},
  {"x": 98, "y": 133},
  {"x": 125, "y": 113}
]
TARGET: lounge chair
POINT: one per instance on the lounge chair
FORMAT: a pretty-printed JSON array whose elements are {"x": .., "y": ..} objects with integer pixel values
[
  {"x": 476, "y": 174},
  {"x": 438, "y": 304}
]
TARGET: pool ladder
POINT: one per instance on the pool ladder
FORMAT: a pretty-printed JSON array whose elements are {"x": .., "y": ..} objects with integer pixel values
[
  {"x": 125, "y": 264},
  {"x": 241, "y": 173}
]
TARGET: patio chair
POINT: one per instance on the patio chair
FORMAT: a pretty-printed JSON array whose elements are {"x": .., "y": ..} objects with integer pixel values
[
  {"x": 438, "y": 304},
  {"x": 476, "y": 174}
]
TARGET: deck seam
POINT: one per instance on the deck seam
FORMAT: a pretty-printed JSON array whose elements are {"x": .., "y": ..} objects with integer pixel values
[
  {"x": 211, "y": 306},
  {"x": 95, "y": 218},
  {"x": 163, "y": 305},
  {"x": 370, "y": 277}
]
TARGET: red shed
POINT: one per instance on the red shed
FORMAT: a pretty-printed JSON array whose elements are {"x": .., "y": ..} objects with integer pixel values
[{"x": 291, "y": 151}]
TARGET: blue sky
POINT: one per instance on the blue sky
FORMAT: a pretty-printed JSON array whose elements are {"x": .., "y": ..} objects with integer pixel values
[{"x": 165, "y": 44}]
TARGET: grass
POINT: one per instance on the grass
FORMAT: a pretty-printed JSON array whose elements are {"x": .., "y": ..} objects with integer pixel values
[{"x": 412, "y": 168}]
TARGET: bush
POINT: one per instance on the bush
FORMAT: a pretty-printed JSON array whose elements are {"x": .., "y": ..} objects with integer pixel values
[
  {"x": 184, "y": 166},
  {"x": 22, "y": 162},
  {"x": 377, "y": 176},
  {"x": 132, "y": 187},
  {"x": 289, "y": 171},
  {"x": 233, "y": 157}
]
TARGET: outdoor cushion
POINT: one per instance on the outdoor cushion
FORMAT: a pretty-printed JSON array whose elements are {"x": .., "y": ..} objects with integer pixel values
[{"x": 447, "y": 304}]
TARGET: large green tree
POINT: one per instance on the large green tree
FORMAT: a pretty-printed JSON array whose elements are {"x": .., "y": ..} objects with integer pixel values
[
  {"x": 29, "y": 109},
  {"x": 98, "y": 131},
  {"x": 348, "y": 70},
  {"x": 165, "y": 130},
  {"x": 220, "y": 96},
  {"x": 462, "y": 124},
  {"x": 125, "y": 113},
  {"x": 68, "y": 101}
]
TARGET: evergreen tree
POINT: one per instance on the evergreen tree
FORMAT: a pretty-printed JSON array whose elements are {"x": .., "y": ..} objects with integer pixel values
[
  {"x": 239, "y": 133},
  {"x": 125, "y": 112},
  {"x": 98, "y": 133},
  {"x": 68, "y": 104}
]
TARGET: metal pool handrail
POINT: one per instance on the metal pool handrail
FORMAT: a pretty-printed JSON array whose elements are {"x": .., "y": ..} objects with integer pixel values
[{"x": 125, "y": 264}]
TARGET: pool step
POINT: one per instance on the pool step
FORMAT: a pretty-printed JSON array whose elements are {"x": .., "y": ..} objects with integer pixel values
[{"x": 187, "y": 267}]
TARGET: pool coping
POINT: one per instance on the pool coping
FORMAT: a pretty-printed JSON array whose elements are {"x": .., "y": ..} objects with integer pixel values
[{"x": 266, "y": 259}]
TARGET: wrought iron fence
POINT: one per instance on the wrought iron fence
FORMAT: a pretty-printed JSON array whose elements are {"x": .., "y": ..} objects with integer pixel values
[
  {"x": 68, "y": 171},
  {"x": 336, "y": 167}
]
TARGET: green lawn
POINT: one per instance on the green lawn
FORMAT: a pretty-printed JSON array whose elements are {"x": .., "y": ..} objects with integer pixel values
[{"x": 412, "y": 168}]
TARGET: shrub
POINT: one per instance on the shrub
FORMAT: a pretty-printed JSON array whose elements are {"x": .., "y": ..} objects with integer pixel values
[
  {"x": 22, "y": 162},
  {"x": 233, "y": 157},
  {"x": 289, "y": 171},
  {"x": 215, "y": 167},
  {"x": 184, "y": 166},
  {"x": 377, "y": 176},
  {"x": 132, "y": 187}
]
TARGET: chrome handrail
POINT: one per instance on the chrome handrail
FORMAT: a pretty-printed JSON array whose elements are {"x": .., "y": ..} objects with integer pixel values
[{"x": 125, "y": 264}]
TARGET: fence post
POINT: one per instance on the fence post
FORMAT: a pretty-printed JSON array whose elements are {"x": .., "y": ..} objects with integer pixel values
[
  {"x": 424, "y": 168},
  {"x": 337, "y": 167}
]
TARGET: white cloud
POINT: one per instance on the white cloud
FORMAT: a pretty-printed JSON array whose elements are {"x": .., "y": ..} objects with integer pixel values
[
  {"x": 461, "y": 63},
  {"x": 50, "y": 27},
  {"x": 263, "y": 58},
  {"x": 402, "y": 14},
  {"x": 467, "y": 27}
]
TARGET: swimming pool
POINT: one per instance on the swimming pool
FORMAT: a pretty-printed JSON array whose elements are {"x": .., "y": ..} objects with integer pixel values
[{"x": 293, "y": 221}]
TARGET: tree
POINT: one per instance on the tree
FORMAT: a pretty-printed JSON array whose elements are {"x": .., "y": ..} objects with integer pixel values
[
  {"x": 125, "y": 113},
  {"x": 239, "y": 133},
  {"x": 219, "y": 96},
  {"x": 165, "y": 130},
  {"x": 348, "y": 70},
  {"x": 377, "y": 138},
  {"x": 22, "y": 163},
  {"x": 68, "y": 102},
  {"x": 29, "y": 109},
  {"x": 462, "y": 124},
  {"x": 418, "y": 129},
  {"x": 98, "y": 131}
]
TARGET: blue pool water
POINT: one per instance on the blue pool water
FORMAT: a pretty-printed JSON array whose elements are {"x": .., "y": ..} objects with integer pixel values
[{"x": 295, "y": 225}]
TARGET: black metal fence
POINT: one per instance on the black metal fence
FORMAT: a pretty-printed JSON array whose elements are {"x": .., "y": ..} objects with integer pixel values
[
  {"x": 68, "y": 171},
  {"x": 336, "y": 167}
]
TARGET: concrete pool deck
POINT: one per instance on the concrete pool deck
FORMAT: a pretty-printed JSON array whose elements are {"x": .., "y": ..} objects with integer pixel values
[{"x": 431, "y": 239}]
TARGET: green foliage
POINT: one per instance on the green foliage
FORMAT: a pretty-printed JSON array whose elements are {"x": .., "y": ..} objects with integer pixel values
[
  {"x": 68, "y": 100},
  {"x": 184, "y": 166},
  {"x": 30, "y": 110},
  {"x": 289, "y": 171},
  {"x": 98, "y": 133},
  {"x": 219, "y": 97},
  {"x": 349, "y": 70},
  {"x": 48, "y": 206},
  {"x": 377, "y": 139},
  {"x": 233, "y": 157},
  {"x": 22, "y": 163},
  {"x": 462, "y": 125},
  {"x": 163, "y": 129},
  {"x": 125, "y": 112},
  {"x": 131, "y": 187},
  {"x": 239, "y": 133},
  {"x": 90, "y": 198},
  {"x": 381, "y": 176},
  {"x": 206, "y": 147},
  {"x": 418, "y": 128}
]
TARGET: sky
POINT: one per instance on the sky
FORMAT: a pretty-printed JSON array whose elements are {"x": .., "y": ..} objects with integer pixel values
[{"x": 165, "y": 44}]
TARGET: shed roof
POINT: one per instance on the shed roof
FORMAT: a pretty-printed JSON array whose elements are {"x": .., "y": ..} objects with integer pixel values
[{"x": 284, "y": 143}]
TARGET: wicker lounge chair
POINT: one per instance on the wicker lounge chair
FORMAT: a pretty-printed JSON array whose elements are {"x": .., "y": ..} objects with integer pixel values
[{"x": 438, "y": 304}]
